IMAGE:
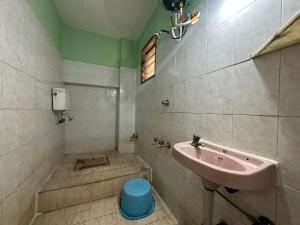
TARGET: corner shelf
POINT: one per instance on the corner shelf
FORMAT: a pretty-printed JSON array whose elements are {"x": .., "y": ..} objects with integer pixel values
[{"x": 288, "y": 34}]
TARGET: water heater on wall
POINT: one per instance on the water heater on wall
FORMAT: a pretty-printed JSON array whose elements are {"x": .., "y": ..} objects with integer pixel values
[{"x": 60, "y": 99}]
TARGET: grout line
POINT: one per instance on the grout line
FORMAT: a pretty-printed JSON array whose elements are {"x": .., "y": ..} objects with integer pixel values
[{"x": 233, "y": 114}]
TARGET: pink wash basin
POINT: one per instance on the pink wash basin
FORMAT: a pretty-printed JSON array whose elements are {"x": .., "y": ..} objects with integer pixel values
[{"x": 223, "y": 166}]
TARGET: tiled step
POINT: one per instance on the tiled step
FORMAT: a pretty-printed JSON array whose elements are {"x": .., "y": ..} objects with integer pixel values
[{"x": 67, "y": 187}]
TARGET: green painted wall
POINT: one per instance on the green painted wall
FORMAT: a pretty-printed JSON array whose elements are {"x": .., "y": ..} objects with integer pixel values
[
  {"x": 46, "y": 12},
  {"x": 94, "y": 48},
  {"x": 128, "y": 53},
  {"x": 90, "y": 47}
]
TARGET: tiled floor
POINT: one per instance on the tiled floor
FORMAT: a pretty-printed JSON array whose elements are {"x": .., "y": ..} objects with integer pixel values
[
  {"x": 120, "y": 165},
  {"x": 103, "y": 212}
]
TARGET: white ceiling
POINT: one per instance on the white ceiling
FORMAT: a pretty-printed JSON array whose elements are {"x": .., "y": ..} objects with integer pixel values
[{"x": 112, "y": 18}]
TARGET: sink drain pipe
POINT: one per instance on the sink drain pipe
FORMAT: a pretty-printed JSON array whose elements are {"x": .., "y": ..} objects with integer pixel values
[
  {"x": 260, "y": 221},
  {"x": 251, "y": 218},
  {"x": 208, "y": 206}
]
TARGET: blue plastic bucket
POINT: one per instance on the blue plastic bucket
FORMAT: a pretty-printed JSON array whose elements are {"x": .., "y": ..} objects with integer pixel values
[{"x": 136, "y": 200}]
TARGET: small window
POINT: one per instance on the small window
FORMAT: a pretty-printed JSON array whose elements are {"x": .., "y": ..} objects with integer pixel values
[{"x": 148, "y": 60}]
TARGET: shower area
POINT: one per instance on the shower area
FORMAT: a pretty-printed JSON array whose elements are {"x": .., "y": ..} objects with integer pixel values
[{"x": 94, "y": 112}]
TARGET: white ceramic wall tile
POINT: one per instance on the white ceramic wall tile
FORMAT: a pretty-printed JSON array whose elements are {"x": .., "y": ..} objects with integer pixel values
[
  {"x": 221, "y": 10},
  {"x": 25, "y": 161},
  {"x": 218, "y": 129},
  {"x": 287, "y": 206},
  {"x": 30, "y": 66},
  {"x": 178, "y": 103},
  {"x": 256, "y": 135},
  {"x": 256, "y": 86},
  {"x": 288, "y": 150},
  {"x": 94, "y": 113},
  {"x": 220, "y": 46},
  {"x": 254, "y": 26},
  {"x": 1, "y": 83},
  {"x": 26, "y": 196},
  {"x": 165, "y": 72},
  {"x": 10, "y": 210},
  {"x": 197, "y": 57},
  {"x": 195, "y": 125},
  {"x": 196, "y": 95},
  {"x": 10, "y": 173},
  {"x": 127, "y": 109},
  {"x": 219, "y": 91},
  {"x": 11, "y": 129},
  {"x": 181, "y": 62},
  {"x": 87, "y": 73},
  {"x": 290, "y": 82},
  {"x": 289, "y": 8}
]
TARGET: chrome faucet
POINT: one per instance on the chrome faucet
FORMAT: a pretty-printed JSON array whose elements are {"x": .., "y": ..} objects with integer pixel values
[
  {"x": 160, "y": 143},
  {"x": 155, "y": 141},
  {"x": 196, "y": 142}
]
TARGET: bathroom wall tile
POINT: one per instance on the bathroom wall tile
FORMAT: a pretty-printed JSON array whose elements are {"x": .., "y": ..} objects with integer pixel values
[
  {"x": 177, "y": 130},
  {"x": 11, "y": 138},
  {"x": 218, "y": 129},
  {"x": 221, "y": 10},
  {"x": 254, "y": 25},
  {"x": 289, "y": 8},
  {"x": 26, "y": 196},
  {"x": 219, "y": 91},
  {"x": 288, "y": 150},
  {"x": 197, "y": 57},
  {"x": 181, "y": 62},
  {"x": 127, "y": 109},
  {"x": 290, "y": 82},
  {"x": 25, "y": 159},
  {"x": 53, "y": 200},
  {"x": 195, "y": 125},
  {"x": 256, "y": 135},
  {"x": 179, "y": 92},
  {"x": 1, "y": 83},
  {"x": 193, "y": 203},
  {"x": 10, "y": 210},
  {"x": 76, "y": 195},
  {"x": 220, "y": 46},
  {"x": 87, "y": 132},
  {"x": 256, "y": 86},
  {"x": 27, "y": 216},
  {"x": 287, "y": 206},
  {"x": 165, "y": 71},
  {"x": 2, "y": 131},
  {"x": 18, "y": 90},
  {"x": 10, "y": 173},
  {"x": 87, "y": 73},
  {"x": 196, "y": 95}
]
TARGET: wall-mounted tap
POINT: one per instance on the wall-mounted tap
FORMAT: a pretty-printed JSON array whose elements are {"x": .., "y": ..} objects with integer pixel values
[
  {"x": 160, "y": 143},
  {"x": 134, "y": 137},
  {"x": 165, "y": 102},
  {"x": 196, "y": 142},
  {"x": 155, "y": 142}
]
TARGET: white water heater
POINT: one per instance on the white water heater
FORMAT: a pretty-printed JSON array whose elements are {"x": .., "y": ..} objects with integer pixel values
[{"x": 60, "y": 99}]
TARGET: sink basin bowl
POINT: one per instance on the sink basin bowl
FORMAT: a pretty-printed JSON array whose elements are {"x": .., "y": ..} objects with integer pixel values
[{"x": 222, "y": 166}]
